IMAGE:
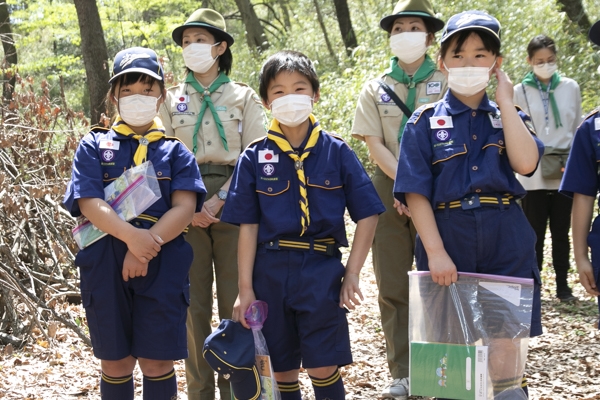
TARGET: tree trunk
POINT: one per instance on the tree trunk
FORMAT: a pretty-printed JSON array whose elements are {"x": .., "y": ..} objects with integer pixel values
[
  {"x": 576, "y": 13},
  {"x": 345, "y": 23},
  {"x": 10, "y": 53},
  {"x": 286, "y": 14},
  {"x": 255, "y": 34},
  {"x": 322, "y": 24},
  {"x": 95, "y": 56}
]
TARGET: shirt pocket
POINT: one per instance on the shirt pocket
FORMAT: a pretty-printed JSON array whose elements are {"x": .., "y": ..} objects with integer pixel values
[
  {"x": 494, "y": 154},
  {"x": 326, "y": 193},
  {"x": 443, "y": 154},
  {"x": 232, "y": 120},
  {"x": 109, "y": 174},
  {"x": 272, "y": 188},
  {"x": 389, "y": 110}
]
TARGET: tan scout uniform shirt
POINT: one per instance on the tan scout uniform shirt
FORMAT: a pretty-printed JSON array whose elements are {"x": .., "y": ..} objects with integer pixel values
[
  {"x": 376, "y": 117},
  {"x": 239, "y": 109}
]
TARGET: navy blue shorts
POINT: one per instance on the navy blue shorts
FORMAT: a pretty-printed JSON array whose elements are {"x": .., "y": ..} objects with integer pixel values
[
  {"x": 593, "y": 241},
  {"x": 144, "y": 317},
  {"x": 305, "y": 324},
  {"x": 490, "y": 240}
]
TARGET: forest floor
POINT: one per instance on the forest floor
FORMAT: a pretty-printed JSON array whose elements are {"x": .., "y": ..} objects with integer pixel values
[{"x": 563, "y": 363}]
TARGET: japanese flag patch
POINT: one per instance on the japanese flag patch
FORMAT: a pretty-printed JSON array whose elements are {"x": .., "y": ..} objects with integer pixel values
[
  {"x": 110, "y": 144},
  {"x": 597, "y": 124},
  {"x": 267, "y": 156},
  {"x": 441, "y": 122}
]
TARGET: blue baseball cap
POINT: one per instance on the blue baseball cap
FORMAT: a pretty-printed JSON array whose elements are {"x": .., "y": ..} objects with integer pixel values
[
  {"x": 472, "y": 20},
  {"x": 594, "y": 33},
  {"x": 137, "y": 59},
  {"x": 229, "y": 350}
]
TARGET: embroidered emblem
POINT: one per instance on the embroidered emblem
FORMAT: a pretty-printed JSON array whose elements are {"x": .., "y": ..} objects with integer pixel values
[
  {"x": 433, "y": 88},
  {"x": 385, "y": 97},
  {"x": 108, "y": 155},
  {"x": 468, "y": 18},
  {"x": 226, "y": 376},
  {"x": 267, "y": 156},
  {"x": 441, "y": 122},
  {"x": 597, "y": 123},
  {"x": 109, "y": 144},
  {"x": 129, "y": 58},
  {"x": 268, "y": 169},
  {"x": 181, "y": 107},
  {"x": 442, "y": 135}
]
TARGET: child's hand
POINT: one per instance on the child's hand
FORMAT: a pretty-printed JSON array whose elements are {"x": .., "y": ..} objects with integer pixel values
[
  {"x": 349, "y": 291},
  {"x": 204, "y": 218},
  {"x": 243, "y": 301},
  {"x": 401, "y": 208},
  {"x": 443, "y": 270},
  {"x": 505, "y": 90},
  {"x": 144, "y": 245},
  {"x": 586, "y": 277},
  {"x": 132, "y": 267}
]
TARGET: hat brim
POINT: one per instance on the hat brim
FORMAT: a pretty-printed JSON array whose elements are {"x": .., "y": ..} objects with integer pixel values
[
  {"x": 386, "y": 23},
  {"x": 140, "y": 70},
  {"x": 472, "y": 28},
  {"x": 594, "y": 33},
  {"x": 178, "y": 32},
  {"x": 248, "y": 388}
]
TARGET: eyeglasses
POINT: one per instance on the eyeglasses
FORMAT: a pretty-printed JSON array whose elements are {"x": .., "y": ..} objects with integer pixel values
[{"x": 550, "y": 63}]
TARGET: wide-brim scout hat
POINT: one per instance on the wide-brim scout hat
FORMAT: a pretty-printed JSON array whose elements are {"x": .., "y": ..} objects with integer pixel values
[
  {"x": 594, "y": 33},
  {"x": 137, "y": 59},
  {"x": 207, "y": 19},
  {"x": 229, "y": 350},
  {"x": 472, "y": 20},
  {"x": 412, "y": 8}
]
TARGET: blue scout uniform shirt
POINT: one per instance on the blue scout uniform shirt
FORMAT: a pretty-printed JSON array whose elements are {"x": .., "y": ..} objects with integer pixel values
[
  {"x": 103, "y": 155},
  {"x": 450, "y": 150},
  {"x": 265, "y": 190},
  {"x": 581, "y": 172}
]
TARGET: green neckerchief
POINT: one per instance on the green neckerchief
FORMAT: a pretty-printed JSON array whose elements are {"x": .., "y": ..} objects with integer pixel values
[
  {"x": 207, "y": 101},
  {"x": 424, "y": 72},
  {"x": 530, "y": 80}
]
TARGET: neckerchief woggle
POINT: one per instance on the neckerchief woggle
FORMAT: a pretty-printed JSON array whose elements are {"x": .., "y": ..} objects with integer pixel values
[
  {"x": 275, "y": 134},
  {"x": 155, "y": 133},
  {"x": 423, "y": 73},
  {"x": 532, "y": 80},
  {"x": 207, "y": 102}
]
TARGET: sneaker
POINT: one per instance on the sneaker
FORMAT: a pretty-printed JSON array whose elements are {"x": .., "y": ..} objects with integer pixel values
[
  {"x": 566, "y": 296},
  {"x": 397, "y": 390}
]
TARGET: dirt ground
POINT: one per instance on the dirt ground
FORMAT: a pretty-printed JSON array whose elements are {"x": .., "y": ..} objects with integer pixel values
[{"x": 564, "y": 363}]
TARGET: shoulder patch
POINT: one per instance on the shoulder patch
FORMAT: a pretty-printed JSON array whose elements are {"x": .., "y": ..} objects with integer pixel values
[
  {"x": 419, "y": 111},
  {"x": 99, "y": 129},
  {"x": 590, "y": 115},
  {"x": 241, "y": 84},
  {"x": 527, "y": 120},
  {"x": 256, "y": 141}
]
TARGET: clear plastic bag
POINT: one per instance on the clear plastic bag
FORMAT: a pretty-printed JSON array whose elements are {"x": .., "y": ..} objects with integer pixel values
[
  {"x": 469, "y": 340},
  {"x": 129, "y": 195},
  {"x": 256, "y": 315}
]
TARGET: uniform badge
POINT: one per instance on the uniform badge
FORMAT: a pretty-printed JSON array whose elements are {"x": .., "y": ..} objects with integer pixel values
[
  {"x": 442, "y": 135},
  {"x": 597, "y": 124},
  {"x": 181, "y": 107},
  {"x": 433, "y": 88},
  {"x": 267, "y": 156},
  {"x": 268, "y": 169},
  {"x": 496, "y": 121},
  {"x": 108, "y": 155},
  {"x": 441, "y": 122},
  {"x": 385, "y": 97},
  {"x": 109, "y": 144},
  {"x": 184, "y": 98}
]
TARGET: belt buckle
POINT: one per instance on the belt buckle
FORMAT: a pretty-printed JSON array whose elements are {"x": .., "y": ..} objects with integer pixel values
[{"x": 470, "y": 201}]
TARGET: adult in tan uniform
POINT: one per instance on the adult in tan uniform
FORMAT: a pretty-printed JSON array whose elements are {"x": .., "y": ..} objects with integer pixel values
[
  {"x": 216, "y": 119},
  {"x": 379, "y": 121}
]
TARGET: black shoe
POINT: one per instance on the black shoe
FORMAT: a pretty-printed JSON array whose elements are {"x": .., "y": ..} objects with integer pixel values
[{"x": 566, "y": 297}]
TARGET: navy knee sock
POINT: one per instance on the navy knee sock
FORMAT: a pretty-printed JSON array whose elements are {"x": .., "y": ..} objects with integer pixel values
[
  {"x": 116, "y": 388},
  {"x": 331, "y": 388},
  {"x": 289, "y": 390},
  {"x": 161, "y": 387}
]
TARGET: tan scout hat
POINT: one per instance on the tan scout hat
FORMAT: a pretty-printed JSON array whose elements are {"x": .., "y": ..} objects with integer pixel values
[
  {"x": 204, "y": 18},
  {"x": 412, "y": 8}
]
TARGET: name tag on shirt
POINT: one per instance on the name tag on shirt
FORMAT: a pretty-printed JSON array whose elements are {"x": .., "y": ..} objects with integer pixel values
[
  {"x": 496, "y": 121},
  {"x": 109, "y": 144},
  {"x": 597, "y": 123},
  {"x": 441, "y": 122},
  {"x": 433, "y": 88},
  {"x": 267, "y": 156}
]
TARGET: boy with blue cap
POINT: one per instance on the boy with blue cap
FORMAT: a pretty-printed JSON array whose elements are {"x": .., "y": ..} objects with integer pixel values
[
  {"x": 289, "y": 194},
  {"x": 134, "y": 281},
  {"x": 456, "y": 175},
  {"x": 582, "y": 182}
]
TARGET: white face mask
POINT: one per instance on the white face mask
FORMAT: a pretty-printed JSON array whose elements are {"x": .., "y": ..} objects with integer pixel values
[
  {"x": 137, "y": 109},
  {"x": 409, "y": 46},
  {"x": 292, "y": 109},
  {"x": 198, "y": 57},
  {"x": 545, "y": 71},
  {"x": 468, "y": 81}
]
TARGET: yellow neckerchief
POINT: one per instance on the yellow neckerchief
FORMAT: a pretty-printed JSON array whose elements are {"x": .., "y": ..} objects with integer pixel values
[
  {"x": 276, "y": 135},
  {"x": 155, "y": 133}
]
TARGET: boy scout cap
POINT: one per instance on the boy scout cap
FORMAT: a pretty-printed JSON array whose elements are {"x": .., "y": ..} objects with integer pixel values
[
  {"x": 594, "y": 33},
  {"x": 229, "y": 350},
  {"x": 207, "y": 19},
  {"x": 412, "y": 8},
  {"x": 137, "y": 59},
  {"x": 472, "y": 20}
]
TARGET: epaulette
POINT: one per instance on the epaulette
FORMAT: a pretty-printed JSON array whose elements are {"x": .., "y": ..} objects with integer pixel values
[
  {"x": 591, "y": 114},
  {"x": 335, "y": 135},
  {"x": 241, "y": 84},
  {"x": 99, "y": 129},
  {"x": 528, "y": 123},
  {"x": 173, "y": 138},
  {"x": 419, "y": 111},
  {"x": 257, "y": 140},
  {"x": 172, "y": 87}
]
